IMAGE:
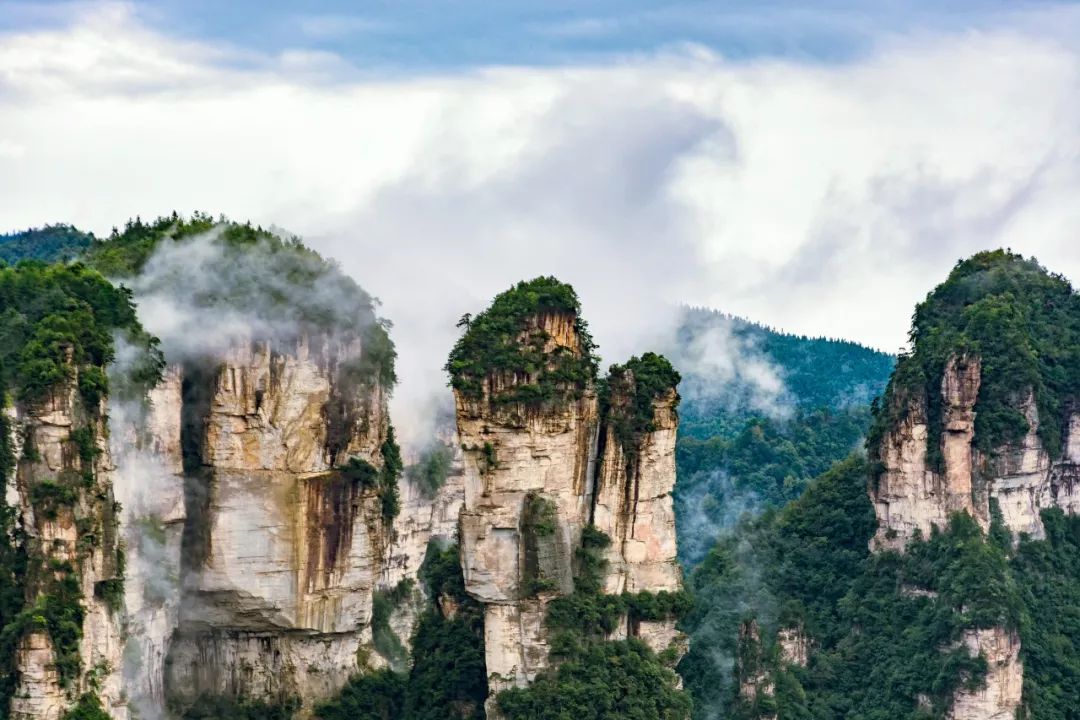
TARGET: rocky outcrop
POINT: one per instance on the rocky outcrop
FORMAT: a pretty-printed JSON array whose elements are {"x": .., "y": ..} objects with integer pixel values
[
  {"x": 513, "y": 457},
  {"x": 280, "y": 552},
  {"x": 794, "y": 645},
  {"x": 1000, "y": 695},
  {"x": 535, "y": 476},
  {"x": 912, "y": 495},
  {"x": 61, "y": 491},
  {"x": 756, "y": 686}
]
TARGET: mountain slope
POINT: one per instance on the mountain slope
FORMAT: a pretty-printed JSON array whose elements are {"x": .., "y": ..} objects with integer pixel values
[
  {"x": 764, "y": 413},
  {"x": 937, "y": 579}
]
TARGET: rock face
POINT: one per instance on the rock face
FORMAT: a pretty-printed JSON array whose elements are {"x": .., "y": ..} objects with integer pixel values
[
  {"x": 999, "y": 698},
  {"x": 280, "y": 554},
  {"x": 534, "y": 478},
  {"x": 253, "y": 559},
  {"x": 756, "y": 685},
  {"x": 911, "y": 496},
  {"x": 62, "y": 494}
]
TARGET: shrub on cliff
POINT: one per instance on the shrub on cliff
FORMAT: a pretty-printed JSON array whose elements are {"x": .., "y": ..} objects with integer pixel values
[
  {"x": 57, "y": 319},
  {"x": 1021, "y": 321},
  {"x": 628, "y": 393},
  {"x": 506, "y": 341}
]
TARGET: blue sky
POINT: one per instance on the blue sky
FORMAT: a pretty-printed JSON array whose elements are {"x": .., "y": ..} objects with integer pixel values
[{"x": 404, "y": 35}]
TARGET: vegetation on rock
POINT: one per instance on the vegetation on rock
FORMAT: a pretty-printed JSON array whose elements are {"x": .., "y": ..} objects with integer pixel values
[
  {"x": 506, "y": 344},
  {"x": 1021, "y": 321},
  {"x": 629, "y": 392},
  {"x": 593, "y": 677},
  {"x": 447, "y": 680}
]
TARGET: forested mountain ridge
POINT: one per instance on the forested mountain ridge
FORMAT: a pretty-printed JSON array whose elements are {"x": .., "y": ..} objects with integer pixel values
[
  {"x": 764, "y": 412},
  {"x": 51, "y": 243},
  {"x": 938, "y": 577}
]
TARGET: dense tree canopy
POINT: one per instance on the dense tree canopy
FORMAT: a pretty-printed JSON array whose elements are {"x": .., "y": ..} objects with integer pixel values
[
  {"x": 51, "y": 243},
  {"x": 506, "y": 340}
]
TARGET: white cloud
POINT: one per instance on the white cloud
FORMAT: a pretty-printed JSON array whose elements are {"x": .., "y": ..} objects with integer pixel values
[{"x": 824, "y": 199}]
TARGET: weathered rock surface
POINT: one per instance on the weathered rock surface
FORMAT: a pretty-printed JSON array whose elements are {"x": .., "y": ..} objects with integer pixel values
[
  {"x": 1000, "y": 697},
  {"x": 280, "y": 554},
  {"x": 534, "y": 478},
  {"x": 63, "y": 498},
  {"x": 911, "y": 496}
]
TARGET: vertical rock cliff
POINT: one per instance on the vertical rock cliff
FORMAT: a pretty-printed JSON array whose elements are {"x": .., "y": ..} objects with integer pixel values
[
  {"x": 980, "y": 419},
  {"x": 72, "y": 642},
  {"x": 547, "y": 455},
  {"x": 282, "y": 548}
]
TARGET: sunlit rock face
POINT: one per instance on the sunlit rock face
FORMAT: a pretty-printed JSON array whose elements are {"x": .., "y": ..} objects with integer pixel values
[
  {"x": 279, "y": 554},
  {"x": 61, "y": 492},
  {"x": 910, "y": 495},
  {"x": 253, "y": 562},
  {"x": 534, "y": 477}
]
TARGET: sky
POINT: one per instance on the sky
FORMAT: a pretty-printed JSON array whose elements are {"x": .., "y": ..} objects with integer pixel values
[{"x": 816, "y": 167}]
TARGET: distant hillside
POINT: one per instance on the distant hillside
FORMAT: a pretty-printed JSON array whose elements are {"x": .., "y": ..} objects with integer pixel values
[
  {"x": 763, "y": 413},
  {"x": 51, "y": 243},
  {"x": 729, "y": 365}
]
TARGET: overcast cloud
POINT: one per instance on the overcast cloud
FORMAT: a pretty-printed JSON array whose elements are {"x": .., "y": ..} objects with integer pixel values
[{"x": 820, "y": 198}]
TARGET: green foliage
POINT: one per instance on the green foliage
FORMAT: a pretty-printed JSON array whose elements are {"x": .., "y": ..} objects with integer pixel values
[
  {"x": 606, "y": 681},
  {"x": 885, "y": 626},
  {"x": 1047, "y": 573},
  {"x": 49, "y": 496},
  {"x": 538, "y": 527},
  {"x": 765, "y": 464},
  {"x": 816, "y": 373},
  {"x": 58, "y": 318},
  {"x": 377, "y": 695},
  {"x": 448, "y": 678},
  {"x": 360, "y": 471},
  {"x": 383, "y": 480},
  {"x": 52, "y": 243},
  {"x": 386, "y": 641},
  {"x": 111, "y": 592},
  {"x": 506, "y": 343},
  {"x": 58, "y": 610},
  {"x": 266, "y": 278},
  {"x": 627, "y": 395},
  {"x": 88, "y": 708},
  {"x": 595, "y": 677},
  {"x": 389, "y": 475},
  {"x": 1021, "y": 322},
  {"x": 218, "y": 708},
  {"x": 429, "y": 472}
]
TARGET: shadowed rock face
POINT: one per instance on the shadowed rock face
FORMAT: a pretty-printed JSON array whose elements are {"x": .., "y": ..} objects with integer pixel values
[{"x": 534, "y": 478}]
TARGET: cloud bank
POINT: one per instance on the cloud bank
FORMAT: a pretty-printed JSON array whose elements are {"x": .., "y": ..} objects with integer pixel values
[{"x": 820, "y": 198}]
